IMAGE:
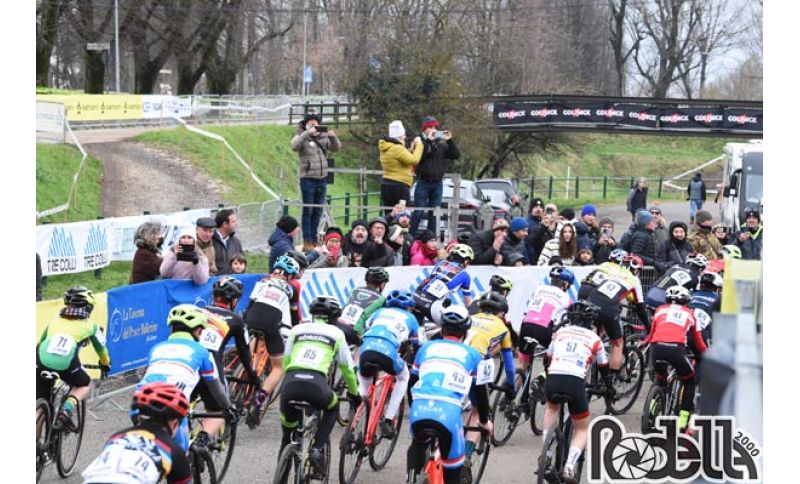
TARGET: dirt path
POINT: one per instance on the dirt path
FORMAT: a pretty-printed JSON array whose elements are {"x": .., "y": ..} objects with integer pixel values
[{"x": 138, "y": 177}]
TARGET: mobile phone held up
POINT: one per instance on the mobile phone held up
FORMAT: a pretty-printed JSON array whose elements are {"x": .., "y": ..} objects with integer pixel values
[
  {"x": 438, "y": 134},
  {"x": 322, "y": 129}
]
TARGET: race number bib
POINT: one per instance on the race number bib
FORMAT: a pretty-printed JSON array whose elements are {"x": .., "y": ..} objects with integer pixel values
[
  {"x": 456, "y": 380},
  {"x": 138, "y": 465},
  {"x": 681, "y": 277},
  {"x": 438, "y": 289},
  {"x": 536, "y": 305},
  {"x": 210, "y": 339},
  {"x": 351, "y": 314},
  {"x": 310, "y": 357},
  {"x": 61, "y": 344},
  {"x": 610, "y": 289},
  {"x": 703, "y": 319},
  {"x": 485, "y": 372}
]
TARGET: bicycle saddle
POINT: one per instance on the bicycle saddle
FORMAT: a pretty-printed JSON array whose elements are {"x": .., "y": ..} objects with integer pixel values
[
  {"x": 559, "y": 398},
  {"x": 301, "y": 404},
  {"x": 425, "y": 436}
]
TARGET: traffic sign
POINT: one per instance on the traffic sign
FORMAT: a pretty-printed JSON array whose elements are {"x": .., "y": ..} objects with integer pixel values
[{"x": 98, "y": 46}]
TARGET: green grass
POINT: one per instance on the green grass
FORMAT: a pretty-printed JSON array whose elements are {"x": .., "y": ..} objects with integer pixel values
[
  {"x": 55, "y": 166},
  {"x": 53, "y": 90}
]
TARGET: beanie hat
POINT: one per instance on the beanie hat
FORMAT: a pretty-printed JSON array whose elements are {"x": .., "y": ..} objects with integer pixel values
[
  {"x": 379, "y": 220},
  {"x": 394, "y": 232},
  {"x": 606, "y": 220},
  {"x": 568, "y": 213},
  {"x": 358, "y": 222},
  {"x": 332, "y": 235},
  {"x": 403, "y": 213},
  {"x": 702, "y": 216},
  {"x": 537, "y": 202},
  {"x": 752, "y": 212},
  {"x": 499, "y": 223},
  {"x": 643, "y": 217},
  {"x": 287, "y": 223},
  {"x": 588, "y": 209},
  {"x": 333, "y": 229},
  {"x": 517, "y": 223},
  {"x": 425, "y": 236},
  {"x": 584, "y": 244},
  {"x": 187, "y": 232},
  {"x": 396, "y": 129},
  {"x": 428, "y": 122}
]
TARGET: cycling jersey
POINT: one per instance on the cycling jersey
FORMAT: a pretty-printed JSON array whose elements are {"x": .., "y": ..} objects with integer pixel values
[
  {"x": 708, "y": 301},
  {"x": 315, "y": 346},
  {"x": 294, "y": 301},
  {"x": 433, "y": 294},
  {"x": 572, "y": 351},
  {"x": 361, "y": 305},
  {"x": 276, "y": 293},
  {"x": 141, "y": 455},
  {"x": 224, "y": 325},
  {"x": 181, "y": 361},
  {"x": 270, "y": 312},
  {"x": 597, "y": 276},
  {"x": 489, "y": 334},
  {"x": 671, "y": 324},
  {"x": 675, "y": 276},
  {"x": 387, "y": 330},
  {"x": 547, "y": 305},
  {"x": 62, "y": 338}
]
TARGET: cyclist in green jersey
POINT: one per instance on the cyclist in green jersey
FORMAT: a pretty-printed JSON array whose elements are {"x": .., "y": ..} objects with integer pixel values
[{"x": 362, "y": 304}]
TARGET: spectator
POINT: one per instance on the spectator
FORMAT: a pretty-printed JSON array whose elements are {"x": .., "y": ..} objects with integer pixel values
[
  {"x": 661, "y": 232},
  {"x": 586, "y": 227},
  {"x": 400, "y": 241},
  {"x": 513, "y": 249},
  {"x": 535, "y": 215},
  {"x": 675, "y": 249},
  {"x": 696, "y": 194},
  {"x": 425, "y": 250},
  {"x": 642, "y": 242},
  {"x": 184, "y": 261},
  {"x": 564, "y": 246},
  {"x": 146, "y": 261},
  {"x": 605, "y": 242},
  {"x": 332, "y": 255},
  {"x": 313, "y": 146},
  {"x": 567, "y": 216},
  {"x": 546, "y": 231},
  {"x": 38, "y": 278},
  {"x": 487, "y": 243},
  {"x": 355, "y": 242},
  {"x": 701, "y": 238},
  {"x": 750, "y": 236},
  {"x": 585, "y": 256},
  {"x": 720, "y": 231},
  {"x": 205, "y": 241},
  {"x": 398, "y": 165},
  {"x": 437, "y": 153},
  {"x": 637, "y": 198},
  {"x": 226, "y": 244},
  {"x": 238, "y": 264},
  {"x": 378, "y": 253},
  {"x": 282, "y": 239}
]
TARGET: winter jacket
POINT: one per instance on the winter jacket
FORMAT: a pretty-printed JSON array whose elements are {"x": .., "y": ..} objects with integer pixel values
[
  {"x": 585, "y": 236},
  {"x": 705, "y": 242},
  {"x": 402, "y": 251},
  {"x": 513, "y": 250},
  {"x": 313, "y": 152},
  {"x": 696, "y": 189},
  {"x": 481, "y": 243},
  {"x": 549, "y": 250},
  {"x": 280, "y": 243},
  {"x": 673, "y": 251},
  {"x": 602, "y": 251},
  {"x": 661, "y": 233},
  {"x": 538, "y": 238},
  {"x": 224, "y": 253},
  {"x": 751, "y": 248},
  {"x": 397, "y": 162},
  {"x": 172, "y": 268},
  {"x": 636, "y": 199},
  {"x": 435, "y": 155},
  {"x": 208, "y": 250},
  {"x": 377, "y": 255},
  {"x": 146, "y": 265},
  {"x": 643, "y": 245},
  {"x": 418, "y": 257},
  {"x": 326, "y": 262}
]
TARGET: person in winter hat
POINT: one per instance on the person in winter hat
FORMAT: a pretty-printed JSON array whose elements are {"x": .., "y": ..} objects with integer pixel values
[
  {"x": 675, "y": 249},
  {"x": 282, "y": 239},
  {"x": 700, "y": 236},
  {"x": 424, "y": 250},
  {"x": 750, "y": 237},
  {"x": 398, "y": 164}
]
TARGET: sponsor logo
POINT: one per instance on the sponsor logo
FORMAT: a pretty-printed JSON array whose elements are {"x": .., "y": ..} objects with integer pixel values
[
  {"x": 610, "y": 113},
  {"x": 510, "y": 115},
  {"x": 543, "y": 113},
  {"x": 61, "y": 256},
  {"x": 642, "y": 116},
  {"x": 576, "y": 112},
  {"x": 115, "y": 326},
  {"x": 743, "y": 119},
  {"x": 96, "y": 249},
  {"x": 708, "y": 118},
  {"x": 674, "y": 118}
]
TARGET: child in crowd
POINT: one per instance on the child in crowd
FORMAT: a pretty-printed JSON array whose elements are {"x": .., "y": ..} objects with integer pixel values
[{"x": 238, "y": 264}]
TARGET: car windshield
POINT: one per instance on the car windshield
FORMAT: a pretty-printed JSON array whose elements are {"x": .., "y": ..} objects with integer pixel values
[
  {"x": 754, "y": 189},
  {"x": 497, "y": 196},
  {"x": 496, "y": 185},
  {"x": 469, "y": 191}
]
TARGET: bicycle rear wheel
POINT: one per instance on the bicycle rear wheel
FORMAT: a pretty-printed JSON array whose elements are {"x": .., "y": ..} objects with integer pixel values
[
  {"x": 547, "y": 464},
  {"x": 351, "y": 446},
  {"x": 505, "y": 412},
  {"x": 381, "y": 451},
  {"x": 69, "y": 443},
  {"x": 44, "y": 422},
  {"x": 288, "y": 469},
  {"x": 202, "y": 466},
  {"x": 654, "y": 405},
  {"x": 538, "y": 405},
  {"x": 629, "y": 383},
  {"x": 221, "y": 448},
  {"x": 343, "y": 416},
  {"x": 482, "y": 454}
]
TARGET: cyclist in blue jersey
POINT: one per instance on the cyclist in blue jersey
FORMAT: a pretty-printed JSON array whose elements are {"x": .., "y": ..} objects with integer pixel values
[
  {"x": 705, "y": 302},
  {"x": 388, "y": 329},
  {"x": 183, "y": 362},
  {"x": 432, "y": 296},
  {"x": 443, "y": 372}
]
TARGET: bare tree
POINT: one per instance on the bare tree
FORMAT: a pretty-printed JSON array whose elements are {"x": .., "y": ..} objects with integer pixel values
[
  {"x": 618, "y": 11},
  {"x": 48, "y": 13},
  {"x": 83, "y": 17}
]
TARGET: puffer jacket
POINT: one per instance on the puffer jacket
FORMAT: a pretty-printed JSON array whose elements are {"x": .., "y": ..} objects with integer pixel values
[
  {"x": 643, "y": 245},
  {"x": 397, "y": 162},
  {"x": 313, "y": 153},
  {"x": 673, "y": 251},
  {"x": 751, "y": 248},
  {"x": 280, "y": 243},
  {"x": 435, "y": 156}
]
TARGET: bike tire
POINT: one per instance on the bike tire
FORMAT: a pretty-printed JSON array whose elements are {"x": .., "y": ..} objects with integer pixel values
[
  {"x": 538, "y": 405},
  {"x": 222, "y": 449},
  {"x": 69, "y": 443},
  {"x": 651, "y": 411},
  {"x": 288, "y": 466},
  {"x": 547, "y": 467},
  {"x": 44, "y": 425},
  {"x": 342, "y": 417},
  {"x": 568, "y": 430},
  {"x": 378, "y": 460},
  {"x": 482, "y": 451},
  {"x": 350, "y": 455},
  {"x": 632, "y": 374},
  {"x": 202, "y": 466},
  {"x": 505, "y": 421}
]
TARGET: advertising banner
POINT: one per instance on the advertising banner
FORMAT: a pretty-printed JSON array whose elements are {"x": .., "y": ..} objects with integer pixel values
[
  {"x": 156, "y": 106},
  {"x": 690, "y": 118},
  {"x": 74, "y": 247},
  {"x": 743, "y": 119},
  {"x": 98, "y": 107},
  {"x": 50, "y": 120}
]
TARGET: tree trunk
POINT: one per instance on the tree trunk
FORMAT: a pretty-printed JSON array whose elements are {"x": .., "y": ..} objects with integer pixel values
[
  {"x": 94, "y": 72},
  {"x": 45, "y": 40}
]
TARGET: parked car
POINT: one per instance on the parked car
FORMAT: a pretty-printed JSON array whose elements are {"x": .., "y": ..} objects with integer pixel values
[
  {"x": 509, "y": 187},
  {"x": 500, "y": 202},
  {"x": 471, "y": 199}
]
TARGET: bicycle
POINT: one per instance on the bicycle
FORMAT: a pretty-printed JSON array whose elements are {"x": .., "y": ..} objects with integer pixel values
[
  {"x": 662, "y": 400},
  {"x": 220, "y": 448},
  {"x": 242, "y": 392},
  {"x": 54, "y": 442},
  {"x": 294, "y": 464},
  {"x": 339, "y": 387},
  {"x": 361, "y": 437},
  {"x": 433, "y": 469},
  {"x": 627, "y": 385},
  {"x": 553, "y": 457}
]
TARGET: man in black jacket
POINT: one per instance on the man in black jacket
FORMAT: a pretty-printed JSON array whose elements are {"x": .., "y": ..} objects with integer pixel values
[
  {"x": 439, "y": 147},
  {"x": 226, "y": 244},
  {"x": 642, "y": 243},
  {"x": 487, "y": 244}
]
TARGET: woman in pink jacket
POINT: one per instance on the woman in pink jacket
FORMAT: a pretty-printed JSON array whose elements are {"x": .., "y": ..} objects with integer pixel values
[{"x": 424, "y": 250}]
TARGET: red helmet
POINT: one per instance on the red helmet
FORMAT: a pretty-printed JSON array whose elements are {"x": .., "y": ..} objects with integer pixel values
[
  {"x": 161, "y": 400},
  {"x": 633, "y": 262}
]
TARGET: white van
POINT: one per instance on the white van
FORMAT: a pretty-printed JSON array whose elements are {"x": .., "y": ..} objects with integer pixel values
[{"x": 742, "y": 175}]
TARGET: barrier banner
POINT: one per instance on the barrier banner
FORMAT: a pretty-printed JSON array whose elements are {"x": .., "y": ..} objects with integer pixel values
[
  {"x": 50, "y": 119},
  {"x": 157, "y": 106},
  {"x": 124, "y": 230},
  {"x": 74, "y": 247},
  {"x": 97, "y": 107}
]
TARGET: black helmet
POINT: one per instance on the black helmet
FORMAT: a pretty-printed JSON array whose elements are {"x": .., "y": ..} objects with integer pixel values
[
  {"x": 79, "y": 297},
  {"x": 500, "y": 283},
  {"x": 378, "y": 275},
  {"x": 228, "y": 288},
  {"x": 457, "y": 319},
  {"x": 711, "y": 279},
  {"x": 299, "y": 257},
  {"x": 582, "y": 313},
  {"x": 493, "y": 302},
  {"x": 326, "y": 307}
]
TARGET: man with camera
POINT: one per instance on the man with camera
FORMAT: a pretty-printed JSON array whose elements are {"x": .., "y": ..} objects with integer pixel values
[
  {"x": 438, "y": 147},
  {"x": 184, "y": 261}
]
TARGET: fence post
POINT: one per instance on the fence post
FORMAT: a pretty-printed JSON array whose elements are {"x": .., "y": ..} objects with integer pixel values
[
  {"x": 455, "y": 205},
  {"x": 336, "y": 114},
  {"x": 632, "y": 183},
  {"x": 532, "y": 182},
  {"x": 285, "y": 207},
  {"x": 186, "y": 209},
  {"x": 98, "y": 273},
  {"x": 605, "y": 187},
  {"x": 291, "y": 113},
  {"x": 364, "y": 202},
  {"x": 550, "y": 189},
  {"x": 660, "y": 185},
  {"x": 577, "y": 186},
  {"x": 146, "y": 212}
]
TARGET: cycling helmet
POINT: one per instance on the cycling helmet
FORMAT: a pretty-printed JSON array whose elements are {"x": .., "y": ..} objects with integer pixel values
[
  {"x": 693, "y": 259},
  {"x": 300, "y": 257},
  {"x": 494, "y": 302},
  {"x": 326, "y": 307},
  {"x": 289, "y": 266},
  {"x": 456, "y": 318},
  {"x": 731, "y": 252},
  {"x": 160, "y": 400},
  {"x": 500, "y": 283},
  {"x": 228, "y": 288},
  {"x": 79, "y": 297},
  {"x": 378, "y": 275},
  {"x": 462, "y": 252},
  {"x": 711, "y": 279},
  {"x": 582, "y": 313},
  {"x": 617, "y": 255},
  {"x": 633, "y": 262},
  {"x": 188, "y": 315},
  {"x": 562, "y": 274},
  {"x": 399, "y": 299},
  {"x": 677, "y": 295}
]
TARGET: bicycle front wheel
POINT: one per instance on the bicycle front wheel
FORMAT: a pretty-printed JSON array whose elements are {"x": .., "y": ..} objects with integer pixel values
[
  {"x": 69, "y": 443},
  {"x": 339, "y": 389},
  {"x": 381, "y": 452},
  {"x": 482, "y": 455},
  {"x": 654, "y": 405},
  {"x": 505, "y": 413},
  {"x": 202, "y": 466},
  {"x": 44, "y": 421},
  {"x": 629, "y": 383},
  {"x": 288, "y": 470},
  {"x": 351, "y": 446},
  {"x": 221, "y": 448}
]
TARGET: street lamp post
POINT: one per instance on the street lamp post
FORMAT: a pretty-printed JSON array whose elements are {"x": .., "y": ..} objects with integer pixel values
[
  {"x": 116, "y": 42},
  {"x": 303, "y": 69}
]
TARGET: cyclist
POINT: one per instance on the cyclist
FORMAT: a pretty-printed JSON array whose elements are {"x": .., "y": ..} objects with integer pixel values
[
  {"x": 270, "y": 313},
  {"x": 497, "y": 283},
  {"x": 611, "y": 267},
  {"x": 183, "y": 362},
  {"x": 224, "y": 325},
  {"x": 389, "y": 329},
  {"x": 686, "y": 275},
  {"x": 362, "y": 304},
  {"x": 311, "y": 350},
  {"x": 705, "y": 302},
  {"x": 441, "y": 377},
  {"x": 571, "y": 352},
  {"x": 294, "y": 304},
  {"x": 433, "y": 294},
  {"x": 57, "y": 351},
  {"x": 489, "y": 334},
  {"x": 146, "y": 452},
  {"x": 668, "y": 337},
  {"x": 728, "y": 252}
]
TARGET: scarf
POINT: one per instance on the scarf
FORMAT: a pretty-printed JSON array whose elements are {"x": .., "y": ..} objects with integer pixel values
[{"x": 70, "y": 312}]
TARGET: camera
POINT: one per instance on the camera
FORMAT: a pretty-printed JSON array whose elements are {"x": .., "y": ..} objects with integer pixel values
[
  {"x": 607, "y": 232},
  {"x": 438, "y": 134},
  {"x": 322, "y": 129},
  {"x": 187, "y": 253}
]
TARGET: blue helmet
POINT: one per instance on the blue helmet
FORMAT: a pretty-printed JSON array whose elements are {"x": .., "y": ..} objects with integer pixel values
[
  {"x": 399, "y": 299},
  {"x": 562, "y": 275},
  {"x": 289, "y": 266}
]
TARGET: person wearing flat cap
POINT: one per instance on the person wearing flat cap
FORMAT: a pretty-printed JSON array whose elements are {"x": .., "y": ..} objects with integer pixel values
[
  {"x": 205, "y": 241},
  {"x": 184, "y": 261}
]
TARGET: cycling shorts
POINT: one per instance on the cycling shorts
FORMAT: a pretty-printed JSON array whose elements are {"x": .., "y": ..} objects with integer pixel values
[
  {"x": 382, "y": 362},
  {"x": 542, "y": 335},
  {"x": 383, "y": 347},
  {"x": 675, "y": 354},
  {"x": 431, "y": 308},
  {"x": 445, "y": 419},
  {"x": 268, "y": 320},
  {"x": 608, "y": 316},
  {"x": 306, "y": 386},
  {"x": 74, "y": 375},
  {"x": 210, "y": 404},
  {"x": 574, "y": 388},
  {"x": 350, "y": 333}
]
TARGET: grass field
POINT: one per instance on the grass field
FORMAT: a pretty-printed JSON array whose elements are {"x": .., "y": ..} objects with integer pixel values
[{"x": 55, "y": 166}]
